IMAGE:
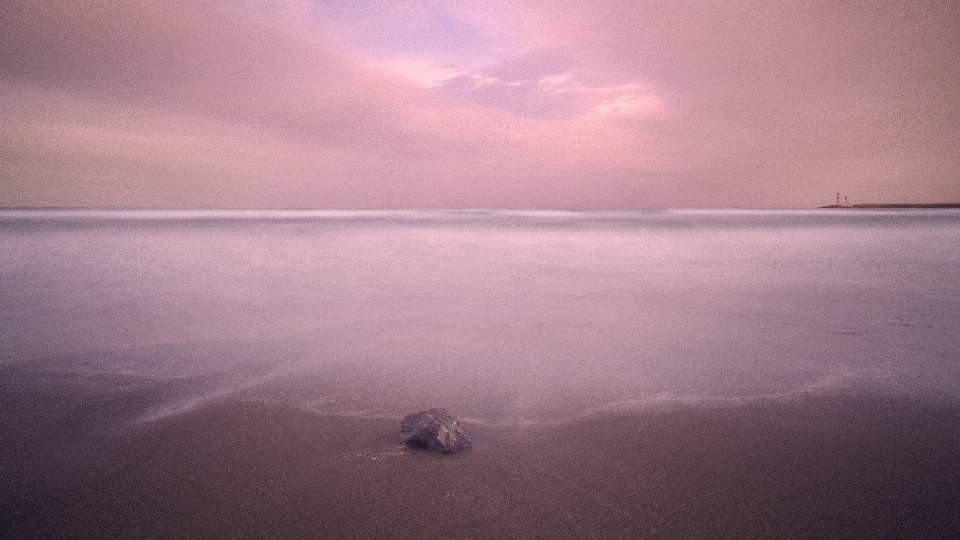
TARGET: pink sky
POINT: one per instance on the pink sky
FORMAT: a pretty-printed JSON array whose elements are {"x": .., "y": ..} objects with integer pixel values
[{"x": 478, "y": 103}]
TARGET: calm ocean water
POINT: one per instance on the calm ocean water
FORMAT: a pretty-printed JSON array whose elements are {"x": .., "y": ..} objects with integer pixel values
[{"x": 503, "y": 316}]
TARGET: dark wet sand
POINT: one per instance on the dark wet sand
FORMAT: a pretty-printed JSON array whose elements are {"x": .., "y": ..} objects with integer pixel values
[{"x": 844, "y": 465}]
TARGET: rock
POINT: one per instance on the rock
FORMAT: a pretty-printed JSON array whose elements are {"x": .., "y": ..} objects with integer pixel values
[{"x": 435, "y": 429}]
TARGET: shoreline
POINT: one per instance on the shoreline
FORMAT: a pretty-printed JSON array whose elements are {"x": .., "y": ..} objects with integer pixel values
[
  {"x": 842, "y": 463},
  {"x": 895, "y": 205}
]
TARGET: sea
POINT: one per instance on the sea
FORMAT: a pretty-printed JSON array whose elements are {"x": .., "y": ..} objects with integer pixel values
[{"x": 503, "y": 316}]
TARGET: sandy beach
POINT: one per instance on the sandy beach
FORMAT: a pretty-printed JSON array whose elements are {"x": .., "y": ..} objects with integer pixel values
[
  {"x": 844, "y": 464},
  {"x": 661, "y": 374}
]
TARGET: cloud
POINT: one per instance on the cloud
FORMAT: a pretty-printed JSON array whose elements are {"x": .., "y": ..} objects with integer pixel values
[
  {"x": 132, "y": 102},
  {"x": 202, "y": 104},
  {"x": 778, "y": 102},
  {"x": 197, "y": 56},
  {"x": 478, "y": 103},
  {"x": 552, "y": 84}
]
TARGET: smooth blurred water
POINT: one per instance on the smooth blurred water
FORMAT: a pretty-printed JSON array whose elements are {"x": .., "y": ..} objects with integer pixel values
[{"x": 504, "y": 316}]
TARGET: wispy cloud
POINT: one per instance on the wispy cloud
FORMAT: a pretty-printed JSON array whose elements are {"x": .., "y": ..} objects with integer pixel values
[
  {"x": 476, "y": 103},
  {"x": 552, "y": 84}
]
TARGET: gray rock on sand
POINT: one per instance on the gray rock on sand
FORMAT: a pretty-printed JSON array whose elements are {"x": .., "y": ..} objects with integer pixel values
[{"x": 435, "y": 429}]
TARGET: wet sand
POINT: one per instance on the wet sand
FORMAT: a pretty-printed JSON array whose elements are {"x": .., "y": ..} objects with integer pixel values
[{"x": 844, "y": 464}]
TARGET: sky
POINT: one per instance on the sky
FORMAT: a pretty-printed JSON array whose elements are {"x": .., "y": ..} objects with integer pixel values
[{"x": 478, "y": 103}]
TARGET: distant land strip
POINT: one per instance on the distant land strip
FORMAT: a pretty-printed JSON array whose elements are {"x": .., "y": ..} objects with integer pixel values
[{"x": 895, "y": 205}]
